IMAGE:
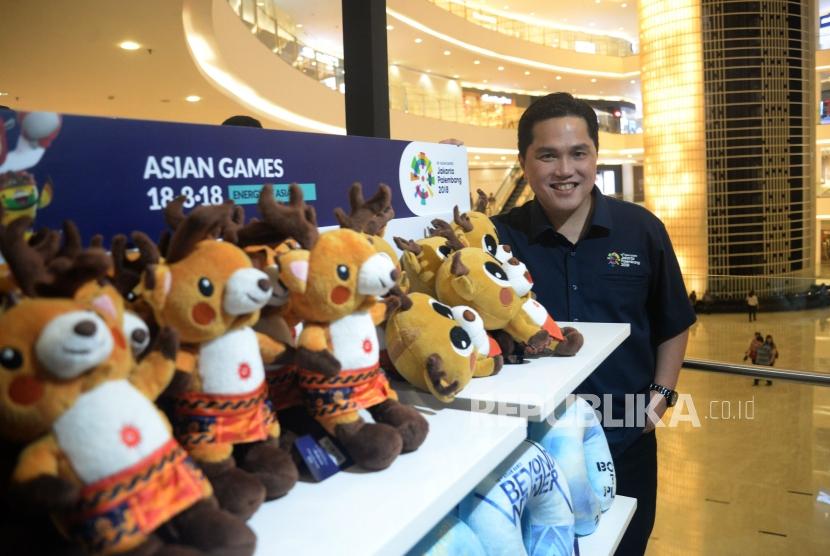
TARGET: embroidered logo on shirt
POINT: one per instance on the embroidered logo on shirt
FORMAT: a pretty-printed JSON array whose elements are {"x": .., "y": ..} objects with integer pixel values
[{"x": 623, "y": 260}]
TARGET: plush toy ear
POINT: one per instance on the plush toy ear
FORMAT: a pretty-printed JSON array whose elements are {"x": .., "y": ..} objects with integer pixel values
[
  {"x": 410, "y": 260},
  {"x": 294, "y": 270},
  {"x": 463, "y": 286},
  {"x": 156, "y": 284},
  {"x": 104, "y": 300}
]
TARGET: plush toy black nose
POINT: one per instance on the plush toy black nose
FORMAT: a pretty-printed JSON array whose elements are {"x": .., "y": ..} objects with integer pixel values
[
  {"x": 394, "y": 274},
  {"x": 139, "y": 336},
  {"x": 85, "y": 328},
  {"x": 469, "y": 316},
  {"x": 264, "y": 284}
]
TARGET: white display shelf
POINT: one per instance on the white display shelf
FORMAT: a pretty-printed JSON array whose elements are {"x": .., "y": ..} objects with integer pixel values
[
  {"x": 387, "y": 512},
  {"x": 534, "y": 389},
  {"x": 612, "y": 525}
]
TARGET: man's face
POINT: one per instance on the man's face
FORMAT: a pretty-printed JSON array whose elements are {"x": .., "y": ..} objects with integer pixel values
[{"x": 561, "y": 165}]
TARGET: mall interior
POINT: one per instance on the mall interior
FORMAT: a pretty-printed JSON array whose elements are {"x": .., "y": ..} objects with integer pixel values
[{"x": 714, "y": 115}]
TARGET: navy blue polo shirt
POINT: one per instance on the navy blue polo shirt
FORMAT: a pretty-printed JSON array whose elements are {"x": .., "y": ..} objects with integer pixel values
[{"x": 623, "y": 270}]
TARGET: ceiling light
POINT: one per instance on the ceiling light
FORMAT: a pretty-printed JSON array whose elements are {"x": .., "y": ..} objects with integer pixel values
[
  {"x": 500, "y": 68},
  {"x": 390, "y": 27},
  {"x": 419, "y": 40},
  {"x": 485, "y": 81},
  {"x": 527, "y": 72},
  {"x": 130, "y": 45},
  {"x": 447, "y": 53},
  {"x": 503, "y": 157},
  {"x": 559, "y": 78},
  {"x": 476, "y": 62},
  {"x": 593, "y": 80},
  {"x": 299, "y": 26},
  {"x": 456, "y": 76},
  {"x": 633, "y": 81},
  {"x": 477, "y": 157},
  {"x": 624, "y": 5},
  {"x": 592, "y": 24},
  {"x": 193, "y": 98},
  {"x": 429, "y": 71}
]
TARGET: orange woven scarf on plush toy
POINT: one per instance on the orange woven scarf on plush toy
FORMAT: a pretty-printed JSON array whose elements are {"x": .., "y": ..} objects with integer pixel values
[
  {"x": 349, "y": 391},
  {"x": 201, "y": 418},
  {"x": 117, "y": 513},
  {"x": 553, "y": 329}
]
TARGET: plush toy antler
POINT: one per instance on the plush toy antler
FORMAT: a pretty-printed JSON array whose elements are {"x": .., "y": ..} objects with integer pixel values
[
  {"x": 367, "y": 216},
  {"x": 202, "y": 223},
  {"x": 481, "y": 201},
  {"x": 443, "y": 229},
  {"x": 295, "y": 220}
]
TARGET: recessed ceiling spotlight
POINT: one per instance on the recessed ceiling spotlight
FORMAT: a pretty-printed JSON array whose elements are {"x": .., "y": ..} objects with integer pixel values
[
  {"x": 428, "y": 71},
  {"x": 545, "y": 87},
  {"x": 598, "y": 1},
  {"x": 624, "y": 5},
  {"x": 593, "y": 80},
  {"x": 592, "y": 24},
  {"x": 477, "y": 157},
  {"x": 193, "y": 98},
  {"x": 527, "y": 72},
  {"x": 419, "y": 40},
  {"x": 500, "y": 68},
  {"x": 299, "y": 26},
  {"x": 447, "y": 53},
  {"x": 129, "y": 45},
  {"x": 503, "y": 157},
  {"x": 476, "y": 62},
  {"x": 456, "y": 76},
  {"x": 390, "y": 27},
  {"x": 559, "y": 78},
  {"x": 633, "y": 81},
  {"x": 485, "y": 81}
]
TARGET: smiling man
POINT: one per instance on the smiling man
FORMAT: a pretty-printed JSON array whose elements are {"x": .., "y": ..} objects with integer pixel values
[{"x": 598, "y": 259}]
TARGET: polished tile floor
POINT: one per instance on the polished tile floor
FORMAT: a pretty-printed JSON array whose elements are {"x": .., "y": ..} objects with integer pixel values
[{"x": 746, "y": 480}]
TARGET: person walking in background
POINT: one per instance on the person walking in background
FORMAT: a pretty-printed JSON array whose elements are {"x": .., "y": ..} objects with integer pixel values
[
  {"x": 752, "y": 305},
  {"x": 752, "y": 351},
  {"x": 693, "y": 300},
  {"x": 766, "y": 355}
]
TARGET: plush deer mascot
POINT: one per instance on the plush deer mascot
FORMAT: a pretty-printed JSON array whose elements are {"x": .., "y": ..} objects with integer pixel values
[
  {"x": 100, "y": 457},
  {"x": 334, "y": 290},
  {"x": 208, "y": 291}
]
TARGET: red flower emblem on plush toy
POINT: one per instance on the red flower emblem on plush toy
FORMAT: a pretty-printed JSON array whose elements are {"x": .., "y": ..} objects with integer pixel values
[
  {"x": 367, "y": 345},
  {"x": 130, "y": 436},
  {"x": 244, "y": 371}
]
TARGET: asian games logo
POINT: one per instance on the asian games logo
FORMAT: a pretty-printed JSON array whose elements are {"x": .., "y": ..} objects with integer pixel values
[
  {"x": 614, "y": 259},
  {"x": 421, "y": 173}
]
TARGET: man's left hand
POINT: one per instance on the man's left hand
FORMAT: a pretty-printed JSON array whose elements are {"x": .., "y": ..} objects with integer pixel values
[{"x": 658, "y": 403}]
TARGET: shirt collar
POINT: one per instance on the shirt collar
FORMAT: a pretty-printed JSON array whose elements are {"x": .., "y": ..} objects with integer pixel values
[{"x": 600, "y": 217}]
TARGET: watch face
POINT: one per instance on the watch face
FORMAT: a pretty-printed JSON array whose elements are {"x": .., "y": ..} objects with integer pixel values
[{"x": 672, "y": 400}]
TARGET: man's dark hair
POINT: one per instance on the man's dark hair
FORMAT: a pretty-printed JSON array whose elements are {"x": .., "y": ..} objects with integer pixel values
[
  {"x": 242, "y": 121},
  {"x": 2, "y": 107},
  {"x": 556, "y": 105}
]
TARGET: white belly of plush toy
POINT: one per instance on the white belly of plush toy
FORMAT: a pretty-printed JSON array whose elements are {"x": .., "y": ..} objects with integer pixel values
[
  {"x": 231, "y": 364},
  {"x": 110, "y": 429},
  {"x": 535, "y": 311},
  {"x": 355, "y": 341}
]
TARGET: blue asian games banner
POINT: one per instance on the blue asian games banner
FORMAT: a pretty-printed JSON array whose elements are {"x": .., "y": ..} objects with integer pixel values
[{"x": 116, "y": 175}]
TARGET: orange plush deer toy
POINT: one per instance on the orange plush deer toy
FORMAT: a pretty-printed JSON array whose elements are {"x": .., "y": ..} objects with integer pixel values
[
  {"x": 334, "y": 290},
  {"x": 210, "y": 293},
  {"x": 283, "y": 228},
  {"x": 100, "y": 456}
]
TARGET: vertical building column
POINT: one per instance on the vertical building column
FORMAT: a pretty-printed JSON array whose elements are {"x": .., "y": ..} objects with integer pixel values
[
  {"x": 671, "y": 62},
  {"x": 366, "y": 64},
  {"x": 628, "y": 182}
]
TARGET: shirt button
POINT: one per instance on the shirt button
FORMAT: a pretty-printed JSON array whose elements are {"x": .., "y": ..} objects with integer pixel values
[
  {"x": 576, "y": 319},
  {"x": 573, "y": 253},
  {"x": 575, "y": 287}
]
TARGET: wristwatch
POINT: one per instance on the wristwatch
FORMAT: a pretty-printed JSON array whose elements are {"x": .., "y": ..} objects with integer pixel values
[{"x": 668, "y": 393}]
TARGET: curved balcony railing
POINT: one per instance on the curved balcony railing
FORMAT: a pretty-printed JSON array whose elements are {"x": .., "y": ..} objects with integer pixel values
[
  {"x": 464, "y": 106},
  {"x": 566, "y": 39}
]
